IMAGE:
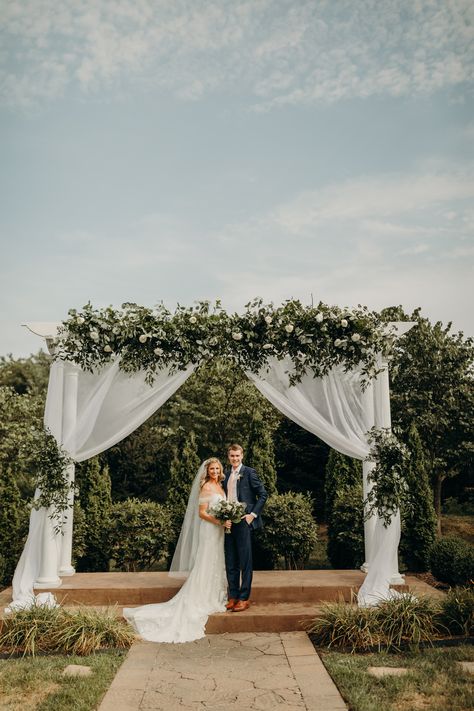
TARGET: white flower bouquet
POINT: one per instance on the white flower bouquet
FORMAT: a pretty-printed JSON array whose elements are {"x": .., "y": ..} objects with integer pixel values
[{"x": 228, "y": 511}]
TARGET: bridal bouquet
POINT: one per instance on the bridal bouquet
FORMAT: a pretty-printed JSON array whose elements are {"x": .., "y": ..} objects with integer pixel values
[{"x": 228, "y": 511}]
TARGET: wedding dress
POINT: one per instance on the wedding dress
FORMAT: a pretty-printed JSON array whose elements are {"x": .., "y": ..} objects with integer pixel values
[{"x": 184, "y": 617}]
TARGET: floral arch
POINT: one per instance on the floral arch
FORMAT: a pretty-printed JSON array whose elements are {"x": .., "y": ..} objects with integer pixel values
[{"x": 322, "y": 366}]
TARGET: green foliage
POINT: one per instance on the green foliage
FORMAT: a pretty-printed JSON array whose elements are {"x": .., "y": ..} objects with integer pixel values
[
  {"x": 139, "y": 534},
  {"x": 418, "y": 519},
  {"x": 290, "y": 531},
  {"x": 43, "y": 629},
  {"x": 260, "y": 453},
  {"x": 79, "y": 534},
  {"x": 389, "y": 475},
  {"x": 182, "y": 472},
  {"x": 14, "y": 517},
  {"x": 315, "y": 338},
  {"x": 300, "y": 460},
  {"x": 95, "y": 498},
  {"x": 26, "y": 376},
  {"x": 452, "y": 561},
  {"x": 391, "y": 625},
  {"x": 344, "y": 511},
  {"x": 432, "y": 386},
  {"x": 458, "y": 611}
]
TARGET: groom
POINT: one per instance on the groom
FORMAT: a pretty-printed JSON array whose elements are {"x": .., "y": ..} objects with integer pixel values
[{"x": 241, "y": 483}]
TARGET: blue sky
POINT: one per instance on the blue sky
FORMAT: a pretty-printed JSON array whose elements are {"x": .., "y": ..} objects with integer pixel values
[{"x": 185, "y": 150}]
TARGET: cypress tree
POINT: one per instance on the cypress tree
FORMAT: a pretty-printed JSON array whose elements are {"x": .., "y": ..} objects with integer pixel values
[
  {"x": 419, "y": 517},
  {"x": 183, "y": 469},
  {"x": 260, "y": 454},
  {"x": 344, "y": 511},
  {"x": 96, "y": 501}
]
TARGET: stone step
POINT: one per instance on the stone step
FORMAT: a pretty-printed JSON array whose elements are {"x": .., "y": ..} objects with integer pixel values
[
  {"x": 260, "y": 617},
  {"x": 273, "y": 586}
]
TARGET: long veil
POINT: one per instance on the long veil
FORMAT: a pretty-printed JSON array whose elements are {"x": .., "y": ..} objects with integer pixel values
[{"x": 186, "y": 548}]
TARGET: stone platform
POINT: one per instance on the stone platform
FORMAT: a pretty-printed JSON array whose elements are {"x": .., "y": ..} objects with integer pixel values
[{"x": 282, "y": 600}]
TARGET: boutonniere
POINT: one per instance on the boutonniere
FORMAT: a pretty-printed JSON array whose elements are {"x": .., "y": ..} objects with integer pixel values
[{"x": 238, "y": 477}]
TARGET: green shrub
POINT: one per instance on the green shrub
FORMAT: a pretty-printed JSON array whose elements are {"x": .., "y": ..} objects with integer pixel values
[
  {"x": 407, "y": 620},
  {"x": 42, "y": 629},
  {"x": 345, "y": 626},
  {"x": 457, "y": 611},
  {"x": 289, "y": 529},
  {"x": 419, "y": 518},
  {"x": 95, "y": 500},
  {"x": 391, "y": 625},
  {"x": 344, "y": 511},
  {"x": 452, "y": 560},
  {"x": 139, "y": 534}
]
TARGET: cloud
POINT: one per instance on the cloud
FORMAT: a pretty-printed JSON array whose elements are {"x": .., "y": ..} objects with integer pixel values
[{"x": 278, "y": 52}]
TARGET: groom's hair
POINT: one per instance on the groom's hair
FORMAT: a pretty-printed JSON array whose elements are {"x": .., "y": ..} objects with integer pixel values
[{"x": 235, "y": 447}]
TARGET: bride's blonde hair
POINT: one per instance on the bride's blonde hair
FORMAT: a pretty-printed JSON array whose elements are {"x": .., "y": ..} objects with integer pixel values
[{"x": 205, "y": 477}]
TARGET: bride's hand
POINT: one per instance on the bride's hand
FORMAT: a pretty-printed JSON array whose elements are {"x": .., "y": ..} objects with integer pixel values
[{"x": 228, "y": 524}]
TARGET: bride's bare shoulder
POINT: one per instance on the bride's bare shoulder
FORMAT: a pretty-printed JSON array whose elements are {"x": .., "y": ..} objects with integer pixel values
[{"x": 207, "y": 488}]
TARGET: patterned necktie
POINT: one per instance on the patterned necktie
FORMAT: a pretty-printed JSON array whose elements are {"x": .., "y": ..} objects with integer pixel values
[{"x": 232, "y": 489}]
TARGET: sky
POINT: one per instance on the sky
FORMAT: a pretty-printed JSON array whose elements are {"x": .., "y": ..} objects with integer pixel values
[{"x": 179, "y": 150}]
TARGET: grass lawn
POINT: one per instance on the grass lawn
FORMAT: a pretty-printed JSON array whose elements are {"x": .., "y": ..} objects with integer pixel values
[
  {"x": 462, "y": 526},
  {"x": 435, "y": 682},
  {"x": 37, "y": 683}
]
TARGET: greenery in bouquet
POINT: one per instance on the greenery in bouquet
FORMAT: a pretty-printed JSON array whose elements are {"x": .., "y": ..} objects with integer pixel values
[{"x": 228, "y": 511}]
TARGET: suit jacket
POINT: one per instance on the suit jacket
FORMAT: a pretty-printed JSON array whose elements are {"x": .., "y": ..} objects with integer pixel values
[{"x": 250, "y": 491}]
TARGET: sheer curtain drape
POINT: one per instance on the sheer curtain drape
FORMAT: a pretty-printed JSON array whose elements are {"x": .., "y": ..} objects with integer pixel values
[
  {"x": 110, "y": 405},
  {"x": 338, "y": 411}
]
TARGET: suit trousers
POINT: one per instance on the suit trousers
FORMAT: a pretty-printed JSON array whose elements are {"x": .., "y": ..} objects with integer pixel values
[{"x": 238, "y": 560}]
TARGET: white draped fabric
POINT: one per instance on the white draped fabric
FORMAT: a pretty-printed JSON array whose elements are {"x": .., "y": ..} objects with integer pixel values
[
  {"x": 338, "y": 411},
  {"x": 107, "y": 406}
]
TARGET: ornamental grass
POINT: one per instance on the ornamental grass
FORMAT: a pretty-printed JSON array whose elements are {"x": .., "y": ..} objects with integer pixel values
[
  {"x": 404, "y": 621},
  {"x": 81, "y": 631}
]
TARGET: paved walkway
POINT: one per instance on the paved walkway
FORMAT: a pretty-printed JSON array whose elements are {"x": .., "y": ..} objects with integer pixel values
[{"x": 227, "y": 671}]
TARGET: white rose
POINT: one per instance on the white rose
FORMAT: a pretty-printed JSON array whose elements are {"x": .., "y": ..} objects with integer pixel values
[
  {"x": 94, "y": 335},
  {"x": 80, "y": 320},
  {"x": 356, "y": 337},
  {"x": 344, "y": 323},
  {"x": 143, "y": 338},
  {"x": 213, "y": 341},
  {"x": 319, "y": 317},
  {"x": 107, "y": 349},
  {"x": 268, "y": 320},
  {"x": 116, "y": 330},
  {"x": 337, "y": 342},
  {"x": 289, "y": 328},
  {"x": 266, "y": 346},
  {"x": 193, "y": 319},
  {"x": 158, "y": 351},
  {"x": 237, "y": 336}
]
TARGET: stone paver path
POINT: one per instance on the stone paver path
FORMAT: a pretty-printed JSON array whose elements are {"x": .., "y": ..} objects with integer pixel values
[{"x": 224, "y": 672}]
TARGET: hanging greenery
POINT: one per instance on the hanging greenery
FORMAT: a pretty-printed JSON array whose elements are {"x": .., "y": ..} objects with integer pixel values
[
  {"x": 389, "y": 476},
  {"x": 49, "y": 462},
  {"x": 316, "y": 338}
]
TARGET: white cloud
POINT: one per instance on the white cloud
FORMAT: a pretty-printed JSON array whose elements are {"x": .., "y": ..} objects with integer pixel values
[{"x": 279, "y": 52}]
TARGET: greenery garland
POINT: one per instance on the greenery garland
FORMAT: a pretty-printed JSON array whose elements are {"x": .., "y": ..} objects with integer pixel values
[
  {"x": 49, "y": 462},
  {"x": 316, "y": 338},
  {"x": 389, "y": 476}
]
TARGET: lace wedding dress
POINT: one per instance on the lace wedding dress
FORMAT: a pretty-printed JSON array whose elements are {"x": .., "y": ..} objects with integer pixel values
[{"x": 184, "y": 617}]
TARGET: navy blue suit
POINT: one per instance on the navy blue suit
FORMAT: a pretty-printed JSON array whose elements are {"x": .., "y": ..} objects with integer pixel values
[{"x": 238, "y": 544}]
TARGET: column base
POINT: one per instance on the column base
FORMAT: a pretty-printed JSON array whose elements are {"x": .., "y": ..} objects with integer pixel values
[
  {"x": 46, "y": 583},
  {"x": 364, "y": 567},
  {"x": 397, "y": 579},
  {"x": 64, "y": 572}
]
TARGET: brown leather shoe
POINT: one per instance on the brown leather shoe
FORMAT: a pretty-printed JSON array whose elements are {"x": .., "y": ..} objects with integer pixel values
[
  {"x": 241, "y": 605},
  {"x": 230, "y": 605}
]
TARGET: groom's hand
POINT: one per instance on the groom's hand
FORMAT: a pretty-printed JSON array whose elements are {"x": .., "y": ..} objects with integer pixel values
[{"x": 249, "y": 518}]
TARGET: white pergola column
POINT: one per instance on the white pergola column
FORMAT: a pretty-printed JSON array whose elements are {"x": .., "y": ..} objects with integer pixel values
[
  {"x": 383, "y": 419},
  {"x": 50, "y": 540},
  {"x": 69, "y": 425},
  {"x": 369, "y": 524}
]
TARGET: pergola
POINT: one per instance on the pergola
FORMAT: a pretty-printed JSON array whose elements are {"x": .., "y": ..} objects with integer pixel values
[{"x": 49, "y": 558}]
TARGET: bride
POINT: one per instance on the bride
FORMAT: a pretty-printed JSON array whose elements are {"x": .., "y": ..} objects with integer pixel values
[{"x": 200, "y": 550}]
